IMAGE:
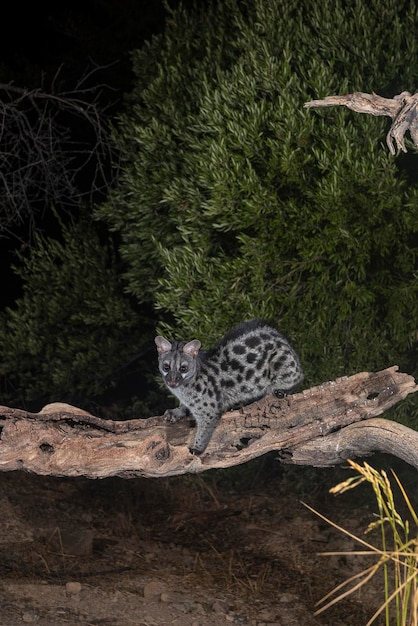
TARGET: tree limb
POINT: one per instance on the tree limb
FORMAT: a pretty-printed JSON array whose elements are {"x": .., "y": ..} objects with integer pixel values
[
  {"x": 321, "y": 426},
  {"x": 401, "y": 108},
  {"x": 361, "y": 439}
]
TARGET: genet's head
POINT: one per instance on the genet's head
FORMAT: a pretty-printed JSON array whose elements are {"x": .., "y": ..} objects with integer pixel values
[{"x": 177, "y": 360}]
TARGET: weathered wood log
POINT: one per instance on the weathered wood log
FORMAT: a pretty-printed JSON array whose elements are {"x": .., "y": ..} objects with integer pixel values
[
  {"x": 403, "y": 109},
  {"x": 320, "y": 426}
]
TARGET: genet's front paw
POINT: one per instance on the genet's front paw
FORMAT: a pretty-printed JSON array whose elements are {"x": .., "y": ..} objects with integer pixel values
[
  {"x": 195, "y": 451},
  {"x": 174, "y": 415}
]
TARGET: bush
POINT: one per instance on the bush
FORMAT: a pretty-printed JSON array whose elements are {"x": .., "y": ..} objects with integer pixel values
[
  {"x": 235, "y": 202},
  {"x": 73, "y": 328}
]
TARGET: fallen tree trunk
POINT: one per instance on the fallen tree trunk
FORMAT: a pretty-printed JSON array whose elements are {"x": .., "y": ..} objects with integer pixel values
[{"x": 320, "y": 426}]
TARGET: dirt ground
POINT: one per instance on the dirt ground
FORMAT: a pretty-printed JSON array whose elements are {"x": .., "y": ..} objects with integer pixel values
[{"x": 226, "y": 547}]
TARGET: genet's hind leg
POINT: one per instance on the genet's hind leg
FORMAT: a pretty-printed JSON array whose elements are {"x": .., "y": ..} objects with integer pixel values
[{"x": 279, "y": 393}]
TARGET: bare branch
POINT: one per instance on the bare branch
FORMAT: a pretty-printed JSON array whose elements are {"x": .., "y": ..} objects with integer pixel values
[
  {"x": 401, "y": 108},
  {"x": 320, "y": 426},
  {"x": 55, "y": 149}
]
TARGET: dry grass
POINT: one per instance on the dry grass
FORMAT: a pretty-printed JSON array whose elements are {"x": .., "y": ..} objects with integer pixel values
[{"x": 397, "y": 557}]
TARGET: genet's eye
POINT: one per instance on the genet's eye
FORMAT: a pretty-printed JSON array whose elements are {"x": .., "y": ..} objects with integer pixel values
[
  {"x": 184, "y": 369},
  {"x": 166, "y": 367}
]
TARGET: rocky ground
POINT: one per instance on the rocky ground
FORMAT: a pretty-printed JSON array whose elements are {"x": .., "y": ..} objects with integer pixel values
[{"x": 226, "y": 547}]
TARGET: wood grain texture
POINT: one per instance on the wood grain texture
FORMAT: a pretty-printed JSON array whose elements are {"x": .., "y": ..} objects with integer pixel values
[{"x": 320, "y": 426}]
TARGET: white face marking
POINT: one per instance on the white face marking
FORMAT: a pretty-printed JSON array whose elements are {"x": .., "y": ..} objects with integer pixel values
[{"x": 184, "y": 369}]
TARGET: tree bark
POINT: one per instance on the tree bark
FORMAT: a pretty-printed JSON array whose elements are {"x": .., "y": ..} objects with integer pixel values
[
  {"x": 320, "y": 426},
  {"x": 403, "y": 109}
]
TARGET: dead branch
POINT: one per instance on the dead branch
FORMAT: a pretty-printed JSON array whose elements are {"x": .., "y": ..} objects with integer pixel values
[
  {"x": 401, "y": 108},
  {"x": 358, "y": 440},
  {"x": 55, "y": 149},
  {"x": 323, "y": 425}
]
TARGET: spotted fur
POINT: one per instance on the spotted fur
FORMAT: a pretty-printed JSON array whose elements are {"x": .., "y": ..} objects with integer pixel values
[{"x": 250, "y": 361}]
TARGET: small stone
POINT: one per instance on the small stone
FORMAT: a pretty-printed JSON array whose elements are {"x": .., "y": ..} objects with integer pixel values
[
  {"x": 154, "y": 589},
  {"x": 286, "y": 598},
  {"x": 73, "y": 588},
  {"x": 198, "y": 608},
  {"x": 220, "y": 607}
]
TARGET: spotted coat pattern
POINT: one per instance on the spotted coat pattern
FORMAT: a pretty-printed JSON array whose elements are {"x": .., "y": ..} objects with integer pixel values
[{"x": 252, "y": 360}]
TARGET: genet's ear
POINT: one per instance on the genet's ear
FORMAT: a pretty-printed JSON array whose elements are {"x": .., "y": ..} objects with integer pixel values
[
  {"x": 162, "y": 345},
  {"x": 192, "y": 348}
]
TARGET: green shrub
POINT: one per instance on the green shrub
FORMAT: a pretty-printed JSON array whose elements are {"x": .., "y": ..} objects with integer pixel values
[
  {"x": 72, "y": 328},
  {"x": 235, "y": 202}
]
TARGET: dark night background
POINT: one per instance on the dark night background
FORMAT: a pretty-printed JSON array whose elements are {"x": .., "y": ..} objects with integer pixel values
[
  {"x": 48, "y": 44},
  {"x": 40, "y": 37}
]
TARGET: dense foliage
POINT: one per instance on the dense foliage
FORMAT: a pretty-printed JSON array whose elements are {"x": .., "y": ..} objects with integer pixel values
[
  {"x": 72, "y": 329},
  {"x": 235, "y": 201}
]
